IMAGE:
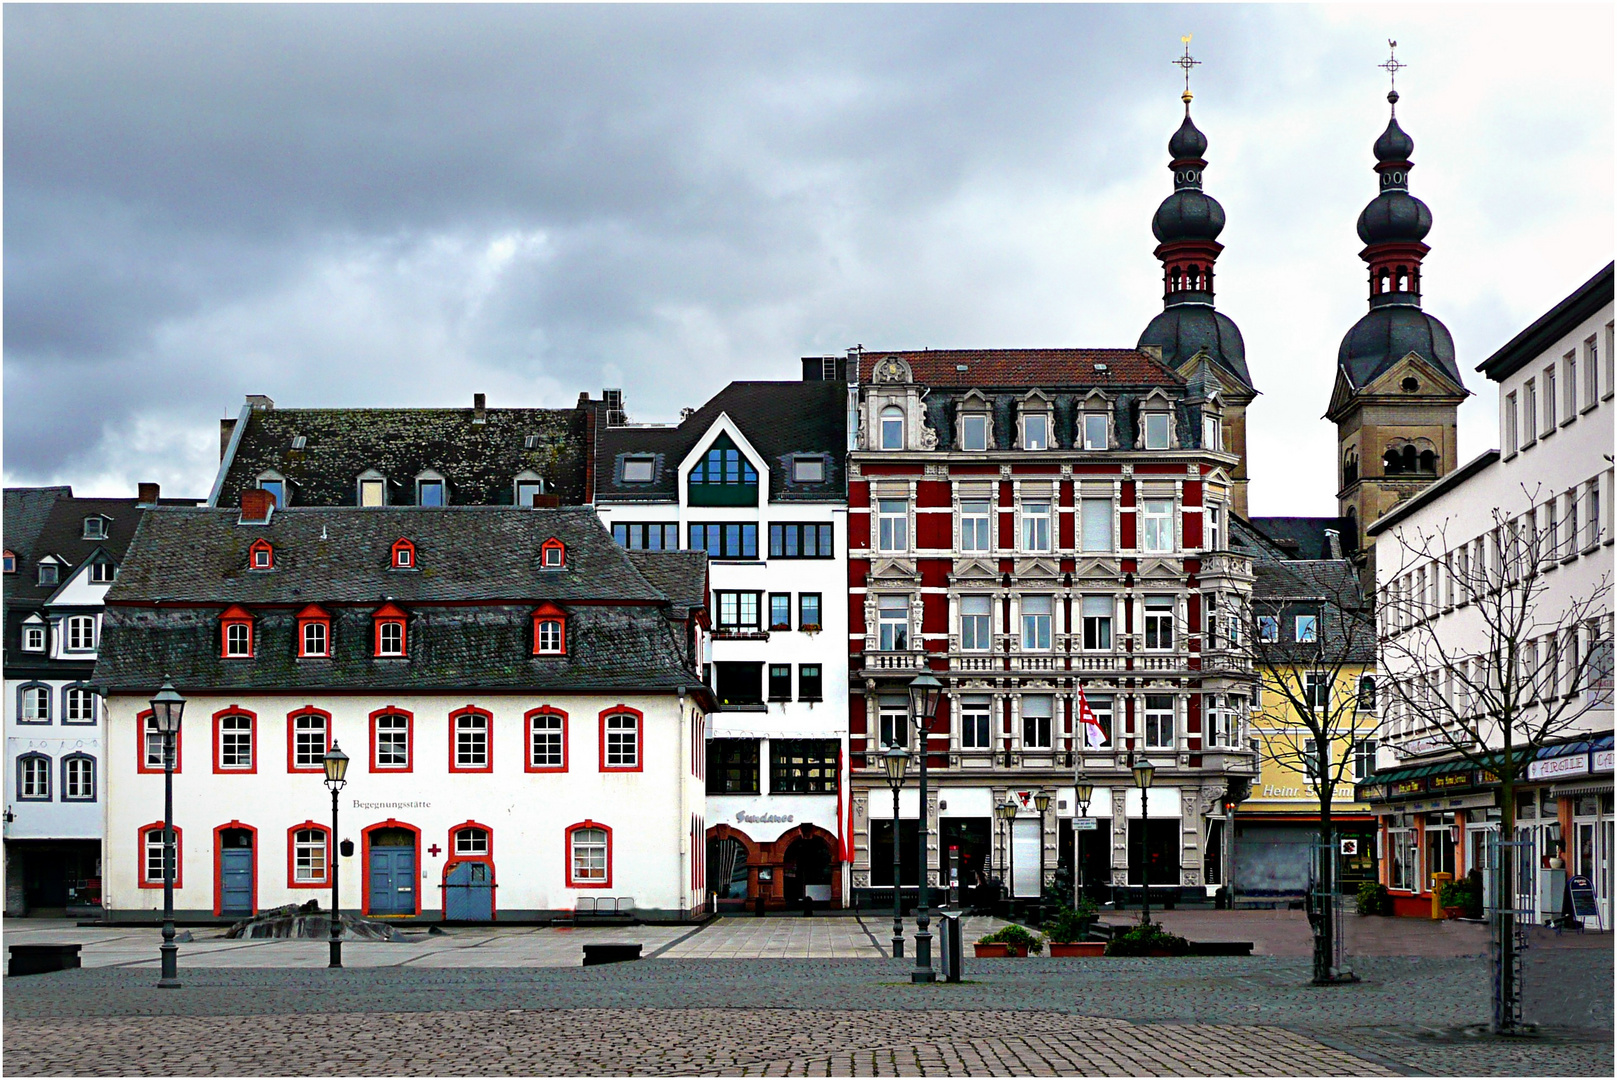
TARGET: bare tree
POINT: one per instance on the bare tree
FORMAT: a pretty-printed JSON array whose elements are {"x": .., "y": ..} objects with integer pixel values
[
  {"x": 1310, "y": 637},
  {"x": 1486, "y": 653}
]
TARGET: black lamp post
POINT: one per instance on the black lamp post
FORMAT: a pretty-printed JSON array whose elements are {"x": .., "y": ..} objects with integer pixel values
[
  {"x": 925, "y": 691},
  {"x": 167, "y": 709},
  {"x": 1041, "y": 802},
  {"x": 1005, "y": 811},
  {"x": 895, "y": 761},
  {"x": 1085, "y": 792},
  {"x": 336, "y": 763},
  {"x": 1143, "y": 772}
]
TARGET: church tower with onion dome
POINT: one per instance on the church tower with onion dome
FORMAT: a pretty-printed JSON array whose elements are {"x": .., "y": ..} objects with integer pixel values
[
  {"x": 1190, "y": 333},
  {"x": 1398, "y": 389}
]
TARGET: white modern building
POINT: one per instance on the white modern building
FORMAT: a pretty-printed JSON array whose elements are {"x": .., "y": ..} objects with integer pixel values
[
  {"x": 1545, "y": 494},
  {"x": 517, "y": 696},
  {"x": 755, "y": 478}
]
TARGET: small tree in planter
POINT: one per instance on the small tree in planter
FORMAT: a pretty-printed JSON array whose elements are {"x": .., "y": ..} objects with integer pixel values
[
  {"x": 1069, "y": 930},
  {"x": 1374, "y": 899},
  {"x": 1147, "y": 939},
  {"x": 1010, "y": 940}
]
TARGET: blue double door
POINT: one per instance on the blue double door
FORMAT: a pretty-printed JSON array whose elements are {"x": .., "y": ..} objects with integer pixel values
[{"x": 392, "y": 875}]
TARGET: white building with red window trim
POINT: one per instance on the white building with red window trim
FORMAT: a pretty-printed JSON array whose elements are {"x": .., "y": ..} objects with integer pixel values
[{"x": 517, "y": 696}]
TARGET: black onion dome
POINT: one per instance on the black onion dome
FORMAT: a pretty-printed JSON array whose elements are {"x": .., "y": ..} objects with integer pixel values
[
  {"x": 1188, "y": 214},
  {"x": 1394, "y": 144},
  {"x": 1394, "y": 215},
  {"x": 1389, "y": 333},
  {"x": 1187, "y": 142},
  {"x": 1183, "y": 330}
]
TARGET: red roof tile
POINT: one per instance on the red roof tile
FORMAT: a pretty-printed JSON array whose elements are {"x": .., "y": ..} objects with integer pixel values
[{"x": 1028, "y": 367}]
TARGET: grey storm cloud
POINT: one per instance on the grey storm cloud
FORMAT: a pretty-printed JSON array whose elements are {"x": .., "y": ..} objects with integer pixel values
[{"x": 358, "y": 205}]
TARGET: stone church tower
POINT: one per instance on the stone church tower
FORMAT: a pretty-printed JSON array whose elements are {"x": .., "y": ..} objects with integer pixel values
[{"x": 1398, "y": 388}]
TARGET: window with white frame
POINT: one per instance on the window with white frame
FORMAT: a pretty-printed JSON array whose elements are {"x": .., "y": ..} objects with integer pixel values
[
  {"x": 1307, "y": 629},
  {"x": 1156, "y": 430},
  {"x": 1569, "y": 383},
  {"x": 1097, "y": 616},
  {"x": 392, "y": 741},
  {"x": 1158, "y": 525},
  {"x": 34, "y": 777},
  {"x": 1591, "y": 372},
  {"x": 1221, "y": 729},
  {"x": 892, "y": 428},
  {"x": 372, "y": 491},
  {"x": 1215, "y": 527},
  {"x": 1159, "y": 710},
  {"x": 316, "y": 637},
  {"x": 1096, "y": 433},
  {"x": 1036, "y": 526},
  {"x": 1310, "y": 756},
  {"x": 471, "y": 841},
  {"x": 80, "y": 633},
  {"x": 308, "y": 740},
  {"x": 1097, "y": 525},
  {"x": 236, "y": 742},
  {"x": 974, "y": 431},
  {"x": 152, "y": 743},
  {"x": 36, "y": 704},
  {"x": 892, "y": 623},
  {"x": 1038, "y": 712},
  {"x": 1159, "y": 613},
  {"x": 95, "y": 528},
  {"x": 1212, "y": 433},
  {"x": 588, "y": 855},
  {"x": 1512, "y": 437},
  {"x": 275, "y": 484},
  {"x": 546, "y": 734},
  {"x": 892, "y": 525},
  {"x": 156, "y": 854},
  {"x": 1405, "y": 869},
  {"x": 1592, "y": 503},
  {"x": 976, "y": 526},
  {"x": 308, "y": 855},
  {"x": 622, "y": 741},
  {"x": 78, "y": 705},
  {"x": 33, "y": 638},
  {"x": 1038, "y": 613},
  {"x": 976, "y": 723},
  {"x": 1549, "y": 400},
  {"x": 1035, "y": 431},
  {"x": 1317, "y": 689},
  {"x": 471, "y": 740},
  {"x": 530, "y": 488},
  {"x": 430, "y": 491},
  {"x": 893, "y": 722},
  {"x": 78, "y": 778},
  {"x": 1364, "y": 758},
  {"x": 976, "y": 625},
  {"x": 103, "y": 572},
  {"x": 639, "y": 469},
  {"x": 239, "y": 639},
  {"x": 1529, "y": 413},
  {"x": 390, "y": 637}
]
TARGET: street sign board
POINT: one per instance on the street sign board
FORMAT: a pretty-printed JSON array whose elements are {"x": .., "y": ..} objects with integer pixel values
[{"x": 1084, "y": 824}]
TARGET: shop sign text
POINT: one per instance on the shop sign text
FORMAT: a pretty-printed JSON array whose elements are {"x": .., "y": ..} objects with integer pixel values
[{"x": 1566, "y": 765}]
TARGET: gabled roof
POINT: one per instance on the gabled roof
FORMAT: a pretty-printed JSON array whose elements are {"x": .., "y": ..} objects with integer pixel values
[
  {"x": 1304, "y": 537},
  {"x": 26, "y": 511},
  {"x": 779, "y": 419},
  {"x": 1329, "y": 587},
  {"x": 1044, "y": 368}
]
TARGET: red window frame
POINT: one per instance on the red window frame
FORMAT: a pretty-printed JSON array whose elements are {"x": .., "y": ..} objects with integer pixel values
[
  {"x": 390, "y": 613},
  {"x": 314, "y": 613},
  {"x": 405, "y": 551},
  {"x": 567, "y": 855},
  {"x": 292, "y": 765},
  {"x": 179, "y": 856},
  {"x": 409, "y": 741},
  {"x": 235, "y": 615},
  {"x": 219, "y": 716},
  {"x": 527, "y": 743},
  {"x": 261, "y": 546},
  {"x": 219, "y": 862},
  {"x": 639, "y": 739},
  {"x": 546, "y": 548},
  {"x": 452, "y": 856},
  {"x": 143, "y": 718},
  {"x": 546, "y": 613},
  {"x": 292, "y": 856},
  {"x": 488, "y": 721}
]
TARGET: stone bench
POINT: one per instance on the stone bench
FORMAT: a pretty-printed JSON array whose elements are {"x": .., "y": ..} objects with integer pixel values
[
  {"x": 611, "y": 952},
  {"x": 39, "y": 959}
]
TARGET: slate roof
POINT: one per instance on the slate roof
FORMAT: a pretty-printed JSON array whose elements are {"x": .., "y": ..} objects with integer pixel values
[
  {"x": 681, "y": 575},
  {"x": 26, "y": 510},
  {"x": 780, "y": 419},
  {"x": 479, "y": 460},
  {"x": 1028, "y": 368},
  {"x": 1347, "y": 624},
  {"x": 469, "y": 605},
  {"x": 1308, "y": 533}
]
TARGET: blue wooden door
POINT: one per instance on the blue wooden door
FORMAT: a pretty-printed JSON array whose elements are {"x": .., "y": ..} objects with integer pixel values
[
  {"x": 392, "y": 881},
  {"x": 236, "y": 881},
  {"x": 469, "y": 892}
]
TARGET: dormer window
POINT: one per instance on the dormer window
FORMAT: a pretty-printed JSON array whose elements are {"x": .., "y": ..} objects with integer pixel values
[
  {"x": 430, "y": 490},
  {"x": 892, "y": 428},
  {"x": 95, "y": 527},
  {"x": 1097, "y": 433},
  {"x": 390, "y": 631},
  {"x": 261, "y": 556},
  {"x": 236, "y": 633},
  {"x": 549, "y": 631},
  {"x": 372, "y": 488},
  {"x": 275, "y": 484},
  {"x": 639, "y": 469},
  {"x": 103, "y": 571},
  {"x": 1035, "y": 420},
  {"x": 47, "y": 571},
  {"x": 314, "y": 632},
  {"x": 33, "y": 634},
  {"x": 11, "y": 562},
  {"x": 1212, "y": 433},
  {"x": 403, "y": 555},
  {"x": 553, "y": 554},
  {"x": 808, "y": 469},
  {"x": 529, "y": 485},
  {"x": 723, "y": 477},
  {"x": 1156, "y": 422}
]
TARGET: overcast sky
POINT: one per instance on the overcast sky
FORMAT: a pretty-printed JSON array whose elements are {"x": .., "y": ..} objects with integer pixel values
[{"x": 403, "y": 205}]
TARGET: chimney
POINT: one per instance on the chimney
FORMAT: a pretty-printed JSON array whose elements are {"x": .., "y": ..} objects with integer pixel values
[
  {"x": 147, "y": 493},
  {"x": 1333, "y": 542},
  {"x": 260, "y": 401},
  {"x": 479, "y": 407},
  {"x": 256, "y": 504}
]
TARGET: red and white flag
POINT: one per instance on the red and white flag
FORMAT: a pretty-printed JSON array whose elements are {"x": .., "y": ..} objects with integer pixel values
[{"x": 1094, "y": 734}]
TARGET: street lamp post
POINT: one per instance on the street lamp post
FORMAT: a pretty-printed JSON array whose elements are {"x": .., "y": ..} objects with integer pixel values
[
  {"x": 1005, "y": 811},
  {"x": 1041, "y": 802},
  {"x": 1085, "y": 792},
  {"x": 336, "y": 763},
  {"x": 925, "y": 691},
  {"x": 896, "y": 760},
  {"x": 168, "y": 707},
  {"x": 1143, "y": 772}
]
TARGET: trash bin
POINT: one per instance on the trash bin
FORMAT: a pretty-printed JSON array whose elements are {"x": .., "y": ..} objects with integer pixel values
[{"x": 950, "y": 944}]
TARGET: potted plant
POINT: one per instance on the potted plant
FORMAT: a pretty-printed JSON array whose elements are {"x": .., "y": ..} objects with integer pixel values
[
  {"x": 1374, "y": 899},
  {"x": 1147, "y": 939},
  {"x": 1454, "y": 897},
  {"x": 1069, "y": 931},
  {"x": 1010, "y": 940}
]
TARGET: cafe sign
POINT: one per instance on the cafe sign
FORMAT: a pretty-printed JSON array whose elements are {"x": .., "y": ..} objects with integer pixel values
[
  {"x": 1600, "y": 761},
  {"x": 1405, "y": 787},
  {"x": 1565, "y": 765}
]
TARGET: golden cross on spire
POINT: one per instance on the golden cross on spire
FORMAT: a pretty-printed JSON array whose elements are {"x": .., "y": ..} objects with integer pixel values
[
  {"x": 1186, "y": 63},
  {"x": 1392, "y": 68}
]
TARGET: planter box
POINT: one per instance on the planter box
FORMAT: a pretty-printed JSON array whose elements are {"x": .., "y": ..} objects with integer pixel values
[
  {"x": 999, "y": 948},
  {"x": 1077, "y": 948}
]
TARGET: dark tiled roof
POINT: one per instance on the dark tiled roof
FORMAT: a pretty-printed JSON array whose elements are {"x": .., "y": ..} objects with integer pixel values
[
  {"x": 779, "y": 419},
  {"x": 1028, "y": 368},
  {"x": 1307, "y": 534},
  {"x": 479, "y": 461},
  {"x": 26, "y": 511},
  {"x": 1329, "y": 587},
  {"x": 333, "y": 555},
  {"x": 681, "y": 575}
]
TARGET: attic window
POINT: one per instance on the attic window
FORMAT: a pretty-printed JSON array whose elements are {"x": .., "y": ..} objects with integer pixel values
[
  {"x": 236, "y": 633},
  {"x": 974, "y": 431},
  {"x": 95, "y": 528},
  {"x": 1156, "y": 430},
  {"x": 1102, "y": 367},
  {"x": 299, "y": 442},
  {"x": 553, "y": 554},
  {"x": 533, "y": 442},
  {"x": 261, "y": 556},
  {"x": 808, "y": 469},
  {"x": 47, "y": 573},
  {"x": 372, "y": 488},
  {"x": 430, "y": 491},
  {"x": 314, "y": 632},
  {"x": 390, "y": 638},
  {"x": 529, "y": 486},
  {"x": 549, "y": 631},
  {"x": 11, "y": 563},
  {"x": 638, "y": 470},
  {"x": 1212, "y": 433},
  {"x": 403, "y": 555},
  {"x": 103, "y": 572}
]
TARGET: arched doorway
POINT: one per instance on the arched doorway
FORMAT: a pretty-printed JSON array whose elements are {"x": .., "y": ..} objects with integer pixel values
[
  {"x": 727, "y": 870},
  {"x": 807, "y": 867},
  {"x": 390, "y": 869},
  {"x": 237, "y": 891}
]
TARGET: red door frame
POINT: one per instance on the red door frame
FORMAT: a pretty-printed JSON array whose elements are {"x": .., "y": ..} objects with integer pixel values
[
  {"x": 365, "y": 860},
  {"x": 219, "y": 858}
]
